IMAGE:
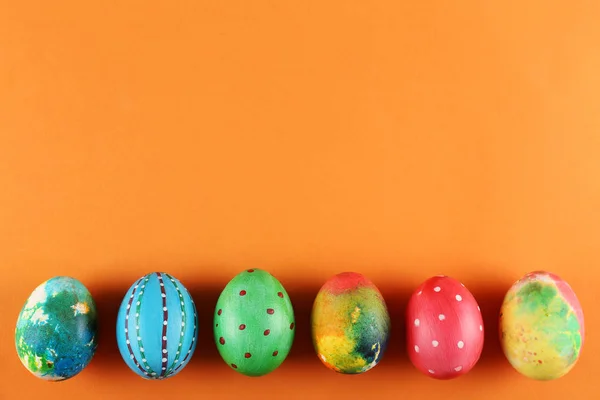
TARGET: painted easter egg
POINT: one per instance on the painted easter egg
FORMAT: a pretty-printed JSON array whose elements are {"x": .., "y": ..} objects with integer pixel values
[
  {"x": 56, "y": 334},
  {"x": 157, "y": 326},
  {"x": 444, "y": 328},
  {"x": 541, "y": 326},
  {"x": 350, "y": 324},
  {"x": 254, "y": 323}
]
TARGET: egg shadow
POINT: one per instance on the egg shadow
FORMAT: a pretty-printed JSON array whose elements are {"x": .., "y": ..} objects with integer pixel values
[
  {"x": 108, "y": 301},
  {"x": 490, "y": 300},
  {"x": 303, "y": 297},
  {"x": 205, "y": 296},
  {"x": 396, "y": 298}
]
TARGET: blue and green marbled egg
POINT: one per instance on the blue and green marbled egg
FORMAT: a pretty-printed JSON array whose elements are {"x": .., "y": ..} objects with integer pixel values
[{"x": 56, "y": 333}]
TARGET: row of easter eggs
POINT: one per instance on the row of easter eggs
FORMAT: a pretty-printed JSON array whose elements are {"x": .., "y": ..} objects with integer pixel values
[{"x": 541, "y": 326}]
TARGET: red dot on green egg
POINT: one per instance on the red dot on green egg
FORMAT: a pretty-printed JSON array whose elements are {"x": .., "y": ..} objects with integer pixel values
[
  {"x": 234, "y": 366},
  {"x": 219, "y": 312},
  {"x": 242, "y": 327},
  {"x": 270, "y": 311},
  {"x": 275, "y": 353},
  {"x": 250, "y": 270},
  {"x": 292, "y": 325},
  {"x": 242, "y": 293},
  {"x": 222, "y": 340},
  {"x": 247, "y": 355},
  {"x": 280, "y": 294},
  {"x": 267, "y": 332}
]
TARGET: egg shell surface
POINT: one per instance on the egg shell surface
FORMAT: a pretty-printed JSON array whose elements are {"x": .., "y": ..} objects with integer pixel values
[
  {"x": 56, "y": 333},
  {"x": 157, "y": 326},
  {"x": 541, "y": 326},
  {"x": 445, "y": 333},
  {"x": 350, "y": 324},
  {"x": 254, "y": 325}
]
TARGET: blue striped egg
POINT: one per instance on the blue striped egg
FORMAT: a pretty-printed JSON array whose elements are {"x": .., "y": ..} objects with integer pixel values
[{"x": 157, "y": 326}]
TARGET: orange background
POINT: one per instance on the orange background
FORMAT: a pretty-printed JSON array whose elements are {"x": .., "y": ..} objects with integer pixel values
[{"x": 397, "y": 139}]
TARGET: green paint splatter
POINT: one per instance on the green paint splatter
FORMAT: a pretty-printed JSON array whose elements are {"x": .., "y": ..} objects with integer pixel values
[
  {"x": 536, "y": 296},
  {"x": 553, "y": 316}
]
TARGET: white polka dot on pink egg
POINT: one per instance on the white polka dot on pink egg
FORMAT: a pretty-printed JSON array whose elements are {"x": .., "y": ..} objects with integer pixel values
[{"x": 444, "y": 328}]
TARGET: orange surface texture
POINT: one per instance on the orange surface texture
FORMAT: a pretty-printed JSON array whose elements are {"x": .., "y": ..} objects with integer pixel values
[{"x": 400, "y": 139}]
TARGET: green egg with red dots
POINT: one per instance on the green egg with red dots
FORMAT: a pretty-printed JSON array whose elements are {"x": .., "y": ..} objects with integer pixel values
[{"x": 254, "y": 323}]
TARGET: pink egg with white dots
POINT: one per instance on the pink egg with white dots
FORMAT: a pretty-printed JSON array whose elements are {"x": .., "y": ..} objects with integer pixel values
[{"x": 444, "y": 328}]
